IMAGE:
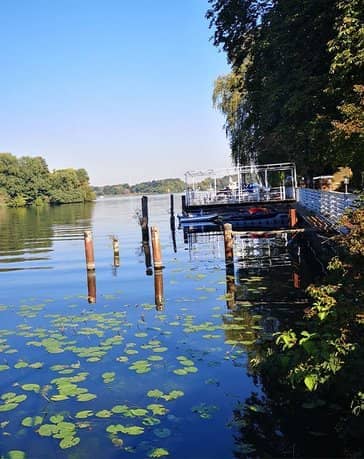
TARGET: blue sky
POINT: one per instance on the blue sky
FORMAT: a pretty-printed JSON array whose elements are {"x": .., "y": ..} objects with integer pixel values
[{"x": 119, "y": 87}]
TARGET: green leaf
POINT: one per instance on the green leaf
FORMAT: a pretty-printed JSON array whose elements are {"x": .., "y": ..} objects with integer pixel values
[{"x": 311, "y": 382}]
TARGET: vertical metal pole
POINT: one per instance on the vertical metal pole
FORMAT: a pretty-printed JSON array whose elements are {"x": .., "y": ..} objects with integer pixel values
[{"x": 145, "y": 231}]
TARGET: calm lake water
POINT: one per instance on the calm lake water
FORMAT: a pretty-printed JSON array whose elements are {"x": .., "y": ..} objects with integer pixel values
[{"x": 119, "y": 378}]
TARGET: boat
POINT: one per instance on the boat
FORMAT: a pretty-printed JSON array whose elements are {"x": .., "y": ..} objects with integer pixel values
[
  {"x": 196, "y": 218},
  {"x": 252, "y": 217}
]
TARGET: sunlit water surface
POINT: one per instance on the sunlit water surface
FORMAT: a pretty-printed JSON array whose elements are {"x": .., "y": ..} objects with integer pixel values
[{"x": 120, "y": 378}]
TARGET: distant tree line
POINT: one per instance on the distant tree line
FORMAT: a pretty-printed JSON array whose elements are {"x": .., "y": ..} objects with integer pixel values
[
  {"x": 170, "y": 185},
  {"x": 295, "y": 91},
  {"x": 27, "y": 181}
]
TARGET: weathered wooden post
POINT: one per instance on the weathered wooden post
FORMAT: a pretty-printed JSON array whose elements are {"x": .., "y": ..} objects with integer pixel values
[
  {"x": 172, "y": 219},
  {"x": 91, "y": 287},
  {"x": 158, "y": 289},
  {"x": 115, "y": 247},
  {"x": 292, "y": 214},
  {"x": 144, "y": 222},
  {"x": 89, "y": 251},
  {"x": 229, "y": 243},
  {"x": 156, "y": 248}
]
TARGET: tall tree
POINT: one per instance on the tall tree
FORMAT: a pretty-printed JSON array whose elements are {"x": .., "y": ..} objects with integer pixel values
[{"x": 299, "y": 94}]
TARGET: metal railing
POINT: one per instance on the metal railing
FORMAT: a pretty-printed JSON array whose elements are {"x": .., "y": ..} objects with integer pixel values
[
  {"x": 329, "y": 204},
  {"x": 264, "y": 195}
]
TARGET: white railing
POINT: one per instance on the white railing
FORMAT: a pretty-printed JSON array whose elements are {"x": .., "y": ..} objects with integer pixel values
[
  {"x": 329, "y": 204},
  {"x": 263, "y": 195}
]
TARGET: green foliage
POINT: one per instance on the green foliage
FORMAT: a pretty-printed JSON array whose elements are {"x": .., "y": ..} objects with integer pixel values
[
  {"x": 155, "y": 186},
  {"x": 327, "y": 354},
  {"x": 295, "y": 90},
  {"x": 27, "y": 181}
]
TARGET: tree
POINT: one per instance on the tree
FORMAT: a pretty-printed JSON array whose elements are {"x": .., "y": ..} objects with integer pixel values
[{"x": 298, "y": 96}]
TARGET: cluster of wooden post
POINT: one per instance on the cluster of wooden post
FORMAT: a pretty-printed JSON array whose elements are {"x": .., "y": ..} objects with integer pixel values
[{"x": 156, "y": 253}]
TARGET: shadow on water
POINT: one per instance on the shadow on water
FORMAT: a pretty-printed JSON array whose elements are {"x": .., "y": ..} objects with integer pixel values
[
  {"x": 28, "y": 235},
  {"x": 265, "y": 294}
]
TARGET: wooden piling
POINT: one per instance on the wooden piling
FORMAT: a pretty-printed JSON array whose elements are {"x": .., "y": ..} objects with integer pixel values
[
  {"x": 229, "y": 243},
  {"x": 115, "y": 247},
  {"x": 158, "y": 289},
  {"x": 144, "y": 221},
  {"x": 172, "y": 204},
  {"x": 156, "y": 248},
  {"x": 89, "y": 251},
  {"x": 172, "y": 218},
  {"x": 91, "y": 287},
  {"x": 292, "y": 214}
]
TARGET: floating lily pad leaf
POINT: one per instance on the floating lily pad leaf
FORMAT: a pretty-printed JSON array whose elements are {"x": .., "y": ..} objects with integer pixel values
[
  {"x": 84, "y": 414},
  {"x": 47, "y": 430},
  {"x": 59, "y": 397},
  {"x": 104, "y": 414},
  {"x": 31, "y": 387},
  {"x": 191, "y": 369},
  {"x": 162, "y": 433},
  {"x": 150, "y": 421},
  {"x": 122, "y": 358},
  {"x": 8, "y": 396},
  {"x": 155, "y": 393},
  {"x": 4, "y": 367},
  {"x": 56, "y": 418},
  {"x": 118, "y": 442},
  {"x": 173, "y": 395},
  {"x": 114, "y": 429},
  {"x": 8, "y": 406},
  {"x": 155, "y": 358},
  {"x": 120, "y": 409},
  {"x": 140, "y": 366},
  {"x": 131, "y": 352},
  {"x": 36, "y": 365},
  {"x": 21, "y": 364},
  {"x": 160, "y": 349},
  {"x": 68, "y": 442},
  {"x": 108, "y": 377},
  {"x": 158, "y": 452},
  {"x": 138, "y": 412},
  {"x": 14, "y": 454},
  {"x": 141, "y": 335},
  {"x": 157, "y": 409},
  {"x": 32, "y": 421},
  {"x": 85, "y": 397},
  {"x": 180, "y": 372},
  {"x": 132, "y": 430}
]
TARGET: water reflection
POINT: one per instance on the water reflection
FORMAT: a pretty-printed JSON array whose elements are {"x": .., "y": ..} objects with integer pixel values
[
  {"x": 27, "y": 236},
  {"x": 91, "y": 287},
  {"x": 158, "y": 289}
]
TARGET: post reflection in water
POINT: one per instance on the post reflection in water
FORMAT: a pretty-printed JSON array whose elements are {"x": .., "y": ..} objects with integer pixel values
[
  {"x": 91, "y": 287},
  {"x": 148, "y": 258},
  {"x": 158, "y": 289}
]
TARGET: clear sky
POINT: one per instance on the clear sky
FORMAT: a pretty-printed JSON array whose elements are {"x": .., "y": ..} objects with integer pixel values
[{"x": 120, "y": 87}]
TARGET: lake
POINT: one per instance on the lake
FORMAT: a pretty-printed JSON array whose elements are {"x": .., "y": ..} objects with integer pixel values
[{"x": 122, "y": 377}]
